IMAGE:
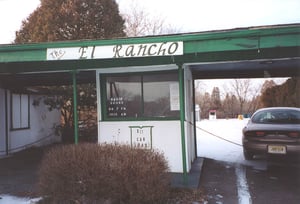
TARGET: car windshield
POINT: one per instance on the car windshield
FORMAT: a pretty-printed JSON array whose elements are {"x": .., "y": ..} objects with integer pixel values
[{"x": 278, "y": 116}]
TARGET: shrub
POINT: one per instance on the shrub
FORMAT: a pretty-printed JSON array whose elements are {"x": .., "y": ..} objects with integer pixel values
[{"x": 92, "y": 173}]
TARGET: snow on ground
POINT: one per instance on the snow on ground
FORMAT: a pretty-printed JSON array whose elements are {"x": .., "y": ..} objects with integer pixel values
[
  {"x": 211, "y": 146},
  {"x": 8, "y": 199},
  {"x": 221, "y": 140}
]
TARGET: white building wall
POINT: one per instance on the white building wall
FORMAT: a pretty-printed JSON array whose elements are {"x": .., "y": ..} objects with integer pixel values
[
  {"x": 41, "y": 130},
  {"x": 166, "y": 137}
]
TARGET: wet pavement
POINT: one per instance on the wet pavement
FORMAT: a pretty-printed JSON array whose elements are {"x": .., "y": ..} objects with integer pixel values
[
  {"x": 224, "y": 182},
  {"x": 18, "y": 172}
]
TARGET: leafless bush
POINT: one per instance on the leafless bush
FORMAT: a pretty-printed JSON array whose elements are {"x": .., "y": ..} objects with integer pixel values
[{"x": 92, "y": 173}]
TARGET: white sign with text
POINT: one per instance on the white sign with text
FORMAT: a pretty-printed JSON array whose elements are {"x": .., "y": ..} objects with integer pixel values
[{"x": 116, "y": 51}]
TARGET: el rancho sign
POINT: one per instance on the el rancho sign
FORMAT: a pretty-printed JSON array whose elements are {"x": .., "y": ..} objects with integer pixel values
[{"x": 116, "y": 51}]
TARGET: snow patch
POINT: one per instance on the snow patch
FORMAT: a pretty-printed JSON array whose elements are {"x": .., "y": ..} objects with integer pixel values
[
  {"x": 221, "y": 140},
  {"x": 242, "y": 186},
  {"x": 7, "y": 199}
]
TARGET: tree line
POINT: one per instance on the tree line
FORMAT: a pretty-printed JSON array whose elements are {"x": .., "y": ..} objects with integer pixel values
[{"x": 245, "y": 99}]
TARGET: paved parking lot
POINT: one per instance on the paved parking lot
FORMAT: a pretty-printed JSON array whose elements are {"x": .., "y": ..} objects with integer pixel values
[{"x": 225, "y": 182}]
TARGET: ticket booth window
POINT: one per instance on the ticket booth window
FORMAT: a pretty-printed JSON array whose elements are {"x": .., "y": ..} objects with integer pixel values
[
  {"x": 124, "y": 96},
  {"x": 142, "y": 96}
]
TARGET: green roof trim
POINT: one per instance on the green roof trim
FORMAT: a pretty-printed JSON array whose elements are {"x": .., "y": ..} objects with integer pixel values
[{"x": 244, "y": 43}]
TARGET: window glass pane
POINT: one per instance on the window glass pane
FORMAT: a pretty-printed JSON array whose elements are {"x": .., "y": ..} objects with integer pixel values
[
  {"x": 19, "y": 111},
  {"x": 124, "y": 96},
  {"x": 24, "y": 111},
  {"x": 16, "y": 110},
  {"x": 161, "y": 95}
]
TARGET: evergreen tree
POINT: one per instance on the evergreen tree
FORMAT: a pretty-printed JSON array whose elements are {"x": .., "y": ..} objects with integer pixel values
[
  {"x": 215, "y": 99},
  {"x": 204, "y": 102},
  {"x": 57, "y": 20},
  {"x": 267, "y": 84},
  {"x": 287, "y": 94}
]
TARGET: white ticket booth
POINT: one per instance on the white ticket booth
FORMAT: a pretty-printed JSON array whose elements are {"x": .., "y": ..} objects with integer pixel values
[{"x": 140, "y": 106}]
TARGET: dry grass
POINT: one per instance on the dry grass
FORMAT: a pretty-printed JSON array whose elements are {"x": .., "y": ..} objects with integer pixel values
[{"x": 186, "y": 196}]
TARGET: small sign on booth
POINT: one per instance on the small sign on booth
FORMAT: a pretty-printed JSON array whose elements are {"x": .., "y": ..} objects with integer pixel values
[{"x": 141, "y": 136}]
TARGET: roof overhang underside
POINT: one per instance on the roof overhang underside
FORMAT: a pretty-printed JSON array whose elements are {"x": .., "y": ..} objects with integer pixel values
[
  {"x": 288, "y": 67},
  {"x": 243, "y": 53}
]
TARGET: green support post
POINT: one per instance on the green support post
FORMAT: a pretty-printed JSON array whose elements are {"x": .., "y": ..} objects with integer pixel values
[
  {"x": 75, "y": 106},
  {"x": 182, "y": 119}
]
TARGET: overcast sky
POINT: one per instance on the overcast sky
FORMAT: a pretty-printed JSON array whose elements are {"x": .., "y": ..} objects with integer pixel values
[{"x": 186, "y": 15}]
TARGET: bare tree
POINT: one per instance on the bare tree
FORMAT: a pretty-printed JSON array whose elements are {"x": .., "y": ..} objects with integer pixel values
[
  {"x": 140, "y": 23},
  {"x": 242, "y": 89},
  {"x": 230, "y": 106},
  {"x": 204, "y": 101}
]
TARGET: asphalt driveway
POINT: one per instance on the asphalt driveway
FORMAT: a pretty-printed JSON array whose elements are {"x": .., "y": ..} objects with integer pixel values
[{"x": 18, "y": 173}]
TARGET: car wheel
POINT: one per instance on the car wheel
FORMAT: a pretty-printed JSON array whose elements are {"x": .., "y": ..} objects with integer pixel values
[{"x": 248, "y": 155}]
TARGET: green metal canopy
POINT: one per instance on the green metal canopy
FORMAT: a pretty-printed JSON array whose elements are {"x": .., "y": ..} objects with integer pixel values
[{"x": 268, "y": 43}]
